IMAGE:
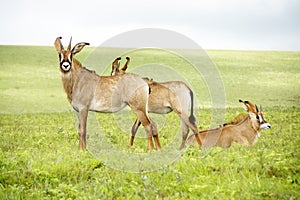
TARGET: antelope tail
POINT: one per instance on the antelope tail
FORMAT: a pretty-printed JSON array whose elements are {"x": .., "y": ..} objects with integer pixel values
[{"x": 192, "y": 117}]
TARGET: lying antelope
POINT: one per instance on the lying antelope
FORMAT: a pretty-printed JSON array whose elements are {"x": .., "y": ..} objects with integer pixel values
[
  {"x": 164, "y": 98},
  {"x": 244, "y": 129},
  {"x": 87, "y": 91}
]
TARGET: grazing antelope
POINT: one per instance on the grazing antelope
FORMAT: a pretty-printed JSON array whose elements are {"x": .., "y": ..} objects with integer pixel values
[
  {"x": 87, "y": 91},
  {"x": 164, "y": 98},
  {"x": 243, "y": 129}
]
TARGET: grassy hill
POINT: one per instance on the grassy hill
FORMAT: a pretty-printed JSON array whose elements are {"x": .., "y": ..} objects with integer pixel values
[{"x": 39, "y": 156}]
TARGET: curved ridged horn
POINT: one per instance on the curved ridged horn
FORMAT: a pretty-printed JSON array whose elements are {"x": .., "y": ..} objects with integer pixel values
[
  {"x": 256, "y": 108},
  {"x": 260, "y": 108},
  {"x": 69, "y": 46}
]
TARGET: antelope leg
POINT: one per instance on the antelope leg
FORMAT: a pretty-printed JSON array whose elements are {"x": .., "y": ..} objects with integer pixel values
[
  {"x": 185, "y": 132},
  {"x": 82, "y": 117},
  {"x": 155, "y": 134},
  {"x": 134, "y": 129},
  {"x": 194, "y": 128}
]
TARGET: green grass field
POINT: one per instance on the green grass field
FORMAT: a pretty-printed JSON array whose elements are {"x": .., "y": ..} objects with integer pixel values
[{"x": 40, "y": 159}]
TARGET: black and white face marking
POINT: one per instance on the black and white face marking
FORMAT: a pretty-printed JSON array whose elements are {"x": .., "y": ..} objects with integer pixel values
[
  {"x": 263, "y": 123},
  {"x": 65, "y": 62}
]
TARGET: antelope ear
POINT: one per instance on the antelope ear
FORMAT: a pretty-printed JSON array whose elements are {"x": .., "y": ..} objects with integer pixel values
[
  {"x": 126, "y": 64},
  {"x": 244, "y": 105},
  {"x": 78, "y": 47},
  {"x": 116, "y": 63},
  {"x": 58, "y": 45}
]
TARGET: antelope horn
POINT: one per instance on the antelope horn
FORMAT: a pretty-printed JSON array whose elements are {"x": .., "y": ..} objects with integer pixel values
[
  {"x": 256, "y": 108},
  {"x": 69, "y": 46},
  {"x": 260, "y": 108}
]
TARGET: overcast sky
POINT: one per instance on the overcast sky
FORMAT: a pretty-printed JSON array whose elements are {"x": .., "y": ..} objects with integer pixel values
[{"x": 213, "y": 24}]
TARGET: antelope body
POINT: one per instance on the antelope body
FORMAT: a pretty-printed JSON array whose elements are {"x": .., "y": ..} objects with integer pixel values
[
  {"x": 87, "y": 91},
  {"x": 244, "y": 129},
  {"x": 166, "y": 97}
]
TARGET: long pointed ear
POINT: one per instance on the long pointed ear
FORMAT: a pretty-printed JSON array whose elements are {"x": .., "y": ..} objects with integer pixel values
[
  {"x": 58, "y": 45},
  {"x": 115, "y": 66},
  {"x": 116, "y": 63},
  {"x": 245, "y": 106},
  {"x": 249, "y": 106},
  {"x": 78, "y": 47},
  {"x": 126, "y": 64}
]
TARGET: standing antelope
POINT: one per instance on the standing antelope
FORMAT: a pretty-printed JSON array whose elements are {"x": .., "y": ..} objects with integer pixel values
[
  {"x": 166, "y": 97},
  {"x": 244, "y": 129},
  {"x": 87, "y": 91}
]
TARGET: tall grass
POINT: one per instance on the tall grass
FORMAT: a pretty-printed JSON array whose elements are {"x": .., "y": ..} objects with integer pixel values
[{"x": 38, "y": 150}]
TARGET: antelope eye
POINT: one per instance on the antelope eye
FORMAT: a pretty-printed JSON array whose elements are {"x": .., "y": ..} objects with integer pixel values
[{"x": 257, "y": 117}]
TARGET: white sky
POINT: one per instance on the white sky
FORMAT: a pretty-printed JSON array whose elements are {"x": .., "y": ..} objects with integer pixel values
[{"x": 213, "y": 24}]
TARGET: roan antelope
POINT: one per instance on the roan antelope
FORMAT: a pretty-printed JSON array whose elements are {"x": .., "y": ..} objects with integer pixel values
[
  {"x": 87, "y": 91},
  {"x": 164, "y": 98},
  {"x": 244, "y": 129}
]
